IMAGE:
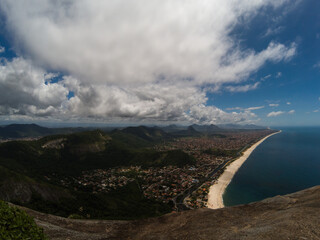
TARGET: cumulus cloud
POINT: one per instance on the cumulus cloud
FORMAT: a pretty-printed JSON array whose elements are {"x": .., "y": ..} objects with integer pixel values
[
  {"x": 140, "y": 41},
  {"x": 291, "y": 112},
  {"x": 26, "y": 90},
  {"x": 211, "y": 114},
  {"x": 288, "y": 103},
  {"x": 274, "y": 114},
  {"x": 135, "y": 59},
  {"x": 2, "y": 49},
  {"x": 273, "y": 105}
]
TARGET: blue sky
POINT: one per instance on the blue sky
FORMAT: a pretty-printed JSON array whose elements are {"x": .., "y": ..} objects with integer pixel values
[
  {"x": 299, "y": 83},
  {"x": 160, "y": 62}
]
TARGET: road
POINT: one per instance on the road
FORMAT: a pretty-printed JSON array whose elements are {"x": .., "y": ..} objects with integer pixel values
[{"x": 179, "y": 200}]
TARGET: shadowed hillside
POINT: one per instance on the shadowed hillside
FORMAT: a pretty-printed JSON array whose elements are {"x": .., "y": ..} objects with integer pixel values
[
  {"x": 14, "y": 131},
  {"x": 33, "y": 173},
  {"x": 293, "y": 216}
]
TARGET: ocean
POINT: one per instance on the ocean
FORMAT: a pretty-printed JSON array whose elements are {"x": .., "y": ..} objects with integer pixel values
[{"x": 284, "y": 163}]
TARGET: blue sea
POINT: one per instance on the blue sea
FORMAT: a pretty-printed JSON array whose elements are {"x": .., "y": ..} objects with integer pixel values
[{"x": 284, "y": 163}]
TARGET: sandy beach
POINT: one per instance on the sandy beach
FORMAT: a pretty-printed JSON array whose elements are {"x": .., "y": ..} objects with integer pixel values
[{"x": 216, "y": 191}]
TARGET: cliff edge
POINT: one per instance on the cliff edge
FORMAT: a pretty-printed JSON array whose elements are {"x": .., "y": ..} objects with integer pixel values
[{"x": 293, "y": 216}]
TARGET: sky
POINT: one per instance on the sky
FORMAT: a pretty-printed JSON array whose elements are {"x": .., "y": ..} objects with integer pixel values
[{"x": 160, "y": 62}]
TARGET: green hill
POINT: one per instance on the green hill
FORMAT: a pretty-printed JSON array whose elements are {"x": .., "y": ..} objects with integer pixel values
[
  {"x": 25, "y": 167},
  {"x": 142, "y": 136},
  {"x": 23, "y": 130}
]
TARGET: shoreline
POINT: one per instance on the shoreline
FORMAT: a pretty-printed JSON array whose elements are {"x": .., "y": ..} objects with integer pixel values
[{"x": 216, "y": 191}]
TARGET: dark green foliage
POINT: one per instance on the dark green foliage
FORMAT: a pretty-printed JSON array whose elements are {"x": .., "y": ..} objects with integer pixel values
[
  {"x": 217, "y": 135},
  {"x": 130, "y": 141},
  {"x": 178, "y": 158},
  {"x": 15, "y": 224},
  {"x": 190, "y": 131},
  {"x": 140, "y": 137},
  {"x": 6, "y": 175},
  {"x": 221, "y": 152},
  {"x": 206, "y": 128},
  {"x": 28, "y": 162},
  {"x": 174, "y": 158},
  {"x": 86, "y": 137},
  {"x": 83, "y": 151},
  {"x": 124, "y": 203},
  {"x": 150, "y": 134}
]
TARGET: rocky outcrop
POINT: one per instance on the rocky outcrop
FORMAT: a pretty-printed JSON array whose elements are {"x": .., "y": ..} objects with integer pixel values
[{"x": 293, "y": 216}]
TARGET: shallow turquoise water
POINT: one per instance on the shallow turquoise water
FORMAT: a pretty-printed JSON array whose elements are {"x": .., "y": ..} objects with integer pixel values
[{"x": 284, "y": 163}]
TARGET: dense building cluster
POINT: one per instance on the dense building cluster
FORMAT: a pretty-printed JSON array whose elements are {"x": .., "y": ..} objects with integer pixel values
[{"x": 199, "y": 198}]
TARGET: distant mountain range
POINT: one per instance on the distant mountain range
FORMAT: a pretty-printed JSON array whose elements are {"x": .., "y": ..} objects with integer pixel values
[
  {"x": 13, "y": 131},
  {"x": 146, "y": 133},
  {"x": 239, "y": 126},
  {"x": 155, "y": 133},
  {"x": 23, "y": 130},
  {"x": 206, "y": 128}
]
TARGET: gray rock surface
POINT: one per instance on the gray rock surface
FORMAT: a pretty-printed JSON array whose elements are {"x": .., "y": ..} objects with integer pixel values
[{"x": 293, "y": 216}]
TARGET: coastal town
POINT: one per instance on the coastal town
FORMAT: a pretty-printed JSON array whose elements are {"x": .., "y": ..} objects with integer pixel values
[{"x": 166, "y": 184}]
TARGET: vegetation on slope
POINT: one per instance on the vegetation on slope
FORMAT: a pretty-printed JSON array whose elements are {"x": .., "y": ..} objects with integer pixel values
[
  {"x": 221, "y": 152},
  {"x": 27, "y": 165},
  {"x": 15, "y": 224}
]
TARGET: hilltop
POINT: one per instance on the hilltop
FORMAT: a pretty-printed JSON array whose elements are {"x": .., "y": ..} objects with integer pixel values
[{"x": 293, "y": 216}]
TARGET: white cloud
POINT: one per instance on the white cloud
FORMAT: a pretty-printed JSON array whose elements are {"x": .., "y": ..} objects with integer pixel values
[
  {"x": 254, "y": 108},
  {"x": 23, "y": 90},
  {"x": 315, "y": 111},
  {"x": 245, "y": 109},
  {"x": 2, "y": 49},
  {"x": 265, "y": 77},
  {"x": 234, "y": 108},
  {"x": 279, "y": 74},
  {"x": 211, "y": 115},
  {"x": 273, "y": 105},
  {"x": 244, "y": 88},
  {"x": 273, "y": 31},
  {"x": 288, "y": 103},
  {"x": 140, "y": 41},
  {"x": 26, "y": 91},
  {"x": 274, "y": 114},
  {"x": 291, "y": 112},
  {"x": 135, "y": 60}
]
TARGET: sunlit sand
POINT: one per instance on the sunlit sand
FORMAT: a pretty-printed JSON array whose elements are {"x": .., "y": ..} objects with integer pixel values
[{"x": 216, "y": 191}]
